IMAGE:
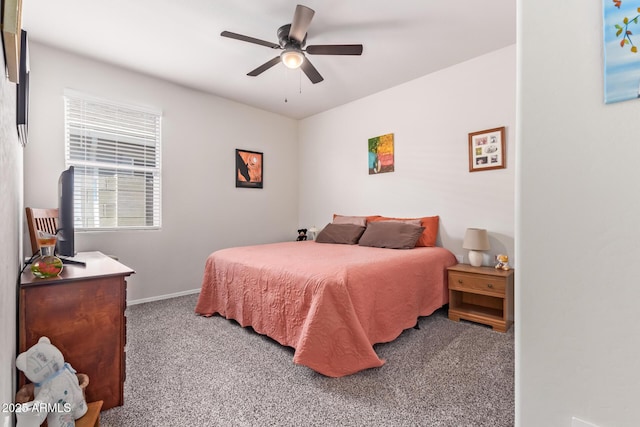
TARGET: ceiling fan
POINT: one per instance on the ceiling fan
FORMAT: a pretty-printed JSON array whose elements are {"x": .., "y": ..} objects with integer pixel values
[{"x": 292, "y": 40}]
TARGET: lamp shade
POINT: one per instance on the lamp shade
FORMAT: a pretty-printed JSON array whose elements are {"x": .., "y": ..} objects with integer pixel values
[
  {"x": 476, "y": 239},
  {"x": 292, "y": 58}
]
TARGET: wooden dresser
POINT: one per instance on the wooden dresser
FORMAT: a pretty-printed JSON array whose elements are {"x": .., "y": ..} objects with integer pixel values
[{"x": 83, "y": 313}]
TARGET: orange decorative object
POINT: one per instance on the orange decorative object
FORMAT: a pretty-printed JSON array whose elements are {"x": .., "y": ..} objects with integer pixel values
[{"x": 47, "y": 265}]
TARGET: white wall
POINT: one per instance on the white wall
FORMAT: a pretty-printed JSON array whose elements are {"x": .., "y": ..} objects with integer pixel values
[
  {"x": 202, "y": 209},
  {"x": 430, "y": 118},
  {"x": 577, "y": 335},
  {"x": 10, "y": 238},
  {"x": 578, "y": 180}
]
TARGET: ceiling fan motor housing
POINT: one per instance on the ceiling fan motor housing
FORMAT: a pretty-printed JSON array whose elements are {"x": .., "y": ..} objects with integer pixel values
[{"x": 285, "y": 41}]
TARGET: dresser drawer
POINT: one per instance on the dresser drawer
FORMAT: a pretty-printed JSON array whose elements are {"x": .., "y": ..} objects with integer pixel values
[{"x": 476, "y": 282}]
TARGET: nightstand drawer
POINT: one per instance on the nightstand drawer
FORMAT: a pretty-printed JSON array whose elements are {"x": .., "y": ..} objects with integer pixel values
[{"x": 476, "y": 282}]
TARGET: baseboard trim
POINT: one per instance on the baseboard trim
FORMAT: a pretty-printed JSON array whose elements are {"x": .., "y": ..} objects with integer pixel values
[{"x": 161, "y": 297}]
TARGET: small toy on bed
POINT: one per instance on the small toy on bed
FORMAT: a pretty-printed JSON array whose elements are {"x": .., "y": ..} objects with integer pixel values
[
  {"x": 57, "y": 393},
  {"x": 503, "y": 262},
  {"x": 302, "y": 234}
]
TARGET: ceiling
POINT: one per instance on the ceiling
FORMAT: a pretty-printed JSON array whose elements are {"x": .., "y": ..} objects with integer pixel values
[{"x": 180, "y": 41}]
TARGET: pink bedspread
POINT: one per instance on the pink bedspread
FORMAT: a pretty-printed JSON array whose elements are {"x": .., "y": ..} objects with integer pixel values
[{"x": 329, "y": 302}]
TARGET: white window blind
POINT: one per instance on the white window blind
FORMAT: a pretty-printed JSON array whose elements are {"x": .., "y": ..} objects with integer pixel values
[{"x": 115, "y": 152}]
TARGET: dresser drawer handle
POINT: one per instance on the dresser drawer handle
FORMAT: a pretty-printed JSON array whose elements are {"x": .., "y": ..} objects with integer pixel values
[
  {"x": 489, "y": 285},
  {"x": 460, "y": 281}
]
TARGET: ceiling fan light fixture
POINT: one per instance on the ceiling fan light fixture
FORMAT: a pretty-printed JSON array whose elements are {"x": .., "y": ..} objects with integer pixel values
[{"x": 292, "y": 58}]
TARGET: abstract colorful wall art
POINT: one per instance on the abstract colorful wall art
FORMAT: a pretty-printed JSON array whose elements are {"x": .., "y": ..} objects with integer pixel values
[
  {"x": 381, "y": 154},
  {"x": 248, "y": 169}
]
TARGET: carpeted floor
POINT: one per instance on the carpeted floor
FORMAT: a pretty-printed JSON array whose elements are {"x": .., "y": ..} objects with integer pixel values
[{"x": 186, "y": 370}]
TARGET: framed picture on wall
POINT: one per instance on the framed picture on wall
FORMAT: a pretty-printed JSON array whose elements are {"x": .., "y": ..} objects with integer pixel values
[
  {"x": 621, "y": 41},
  {"x": 11, "y": 26},
  {"x": 486, "y": 150},
  {"x": 248, "y": 169},
  {"x": 381, "y": 154}
]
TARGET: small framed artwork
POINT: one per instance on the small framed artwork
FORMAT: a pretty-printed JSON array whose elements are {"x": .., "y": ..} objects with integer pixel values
[
  {"x": 486, "y": 150},
  {"x": 621, "y": 40},
  {"x": 249, "y": 168},
  {"x": 11, "y": 26},
  {"x": 381, "y": 154}
]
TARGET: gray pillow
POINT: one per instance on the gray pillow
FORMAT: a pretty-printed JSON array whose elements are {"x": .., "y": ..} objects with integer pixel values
[
  {"x": 391, "y": 234},
  {"x": 347, "y": 234}
]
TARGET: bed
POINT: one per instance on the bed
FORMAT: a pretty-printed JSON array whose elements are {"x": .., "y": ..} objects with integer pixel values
[{"x": 330, "y": 302}]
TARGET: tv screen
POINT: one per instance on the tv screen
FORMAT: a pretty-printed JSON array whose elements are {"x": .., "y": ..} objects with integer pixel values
[
  {"x": 22, "y": 113},
  {"x": 66, "y": 229}
]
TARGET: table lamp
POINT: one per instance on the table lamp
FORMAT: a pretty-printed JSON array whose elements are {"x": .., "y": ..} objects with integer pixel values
[
  {"x": 313, "y": 231},
  {"x": 476, "y": 240}
]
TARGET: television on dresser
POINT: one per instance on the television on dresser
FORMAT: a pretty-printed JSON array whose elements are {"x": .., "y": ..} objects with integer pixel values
[
  {"x": 22, "y": 88},
  {"x": 66, "y": 228}
]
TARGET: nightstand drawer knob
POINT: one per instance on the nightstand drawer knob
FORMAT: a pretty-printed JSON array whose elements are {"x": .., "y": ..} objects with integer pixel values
[
  {"x": 489, "y": 285},
  {"x": 460, "y": 281}
]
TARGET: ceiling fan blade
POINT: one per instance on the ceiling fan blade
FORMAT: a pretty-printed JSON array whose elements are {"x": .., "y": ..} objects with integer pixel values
[
  {"x": 311, "y": 71},
  {"x": 335, "y": 49},
  {"x": 301, "y": 21},
  {"x": 249, "y": 39},
  {"x": 264, "y": 67}
]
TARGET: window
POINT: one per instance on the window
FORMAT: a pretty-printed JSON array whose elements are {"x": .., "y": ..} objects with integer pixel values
[{"x": 115, "y": 152}]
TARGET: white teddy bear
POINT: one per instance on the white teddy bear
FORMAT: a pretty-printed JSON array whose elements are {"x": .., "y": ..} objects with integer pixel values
[{"x": 57, "y": 394}]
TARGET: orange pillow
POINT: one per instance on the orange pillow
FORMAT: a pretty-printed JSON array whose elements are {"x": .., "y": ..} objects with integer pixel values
[{"x": 430, "y": 224}]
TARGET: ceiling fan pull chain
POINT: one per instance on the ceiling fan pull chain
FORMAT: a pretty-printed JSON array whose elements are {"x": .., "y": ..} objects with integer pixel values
[{"x": 284, "y": 86}]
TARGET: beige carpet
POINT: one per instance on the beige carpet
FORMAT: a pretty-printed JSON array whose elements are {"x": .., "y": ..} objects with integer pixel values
[{"x": 186, "y": 370}]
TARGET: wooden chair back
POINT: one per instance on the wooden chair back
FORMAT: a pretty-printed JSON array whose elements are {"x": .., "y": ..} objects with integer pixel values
[{"x": 41, "y": 219}]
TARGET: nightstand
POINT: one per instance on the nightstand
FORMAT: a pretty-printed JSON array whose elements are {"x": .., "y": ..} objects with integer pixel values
[{"x": 481, "y": 294}]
